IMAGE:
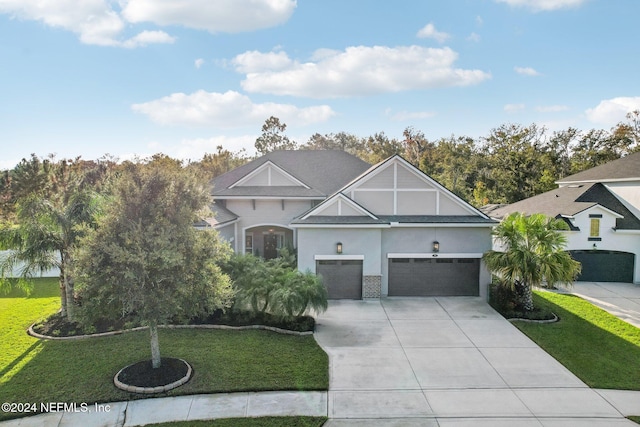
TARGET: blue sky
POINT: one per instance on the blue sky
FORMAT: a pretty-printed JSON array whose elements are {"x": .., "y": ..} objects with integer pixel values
[{"x": 136, "y": 77}]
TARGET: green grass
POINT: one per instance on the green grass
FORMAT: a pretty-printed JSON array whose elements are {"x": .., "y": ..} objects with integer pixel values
[
  {"x": 600, "y": 349},
  {"x": 17, "y": 312},
  {"x": 250, "y": 422},
  {"x": 82, "y": 370}
]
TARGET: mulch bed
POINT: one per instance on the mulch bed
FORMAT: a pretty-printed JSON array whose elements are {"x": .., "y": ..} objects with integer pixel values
[
  {"x": 142, "y": 374},
  {"x": 58, "y": 326}
]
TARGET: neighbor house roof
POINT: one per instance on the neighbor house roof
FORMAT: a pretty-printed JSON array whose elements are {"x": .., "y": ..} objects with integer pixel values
[
  {"x": 569, "y": 201},
  {"x": 623, "y": 169},
  {"x": 322, "y": 171}
]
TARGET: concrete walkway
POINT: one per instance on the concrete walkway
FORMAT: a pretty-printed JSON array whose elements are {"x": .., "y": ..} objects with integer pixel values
[
  {"x": 435, "y": 362},
  {"x": 620, "y": 299}
]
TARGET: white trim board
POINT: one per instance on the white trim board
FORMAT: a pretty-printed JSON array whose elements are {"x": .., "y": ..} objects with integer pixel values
[
  {"x": 433, "y": 255},
  {"x": 338, "y": 257}
]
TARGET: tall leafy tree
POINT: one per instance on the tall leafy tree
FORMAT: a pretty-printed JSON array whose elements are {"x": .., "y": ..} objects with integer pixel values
[
  {"x": 533, "y": 253},
  {"x": 146, "y": 260},
  {"x": 273, "y": 137}
]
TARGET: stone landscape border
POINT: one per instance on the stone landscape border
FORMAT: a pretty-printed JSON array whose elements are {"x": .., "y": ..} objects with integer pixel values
[
  {"x": 34, "y": 334},
  {"x": 520, "y": 319}
]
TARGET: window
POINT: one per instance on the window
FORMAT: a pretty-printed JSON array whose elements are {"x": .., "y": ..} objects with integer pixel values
[
  {"x": 595, "y": 227},
  {"x": 248, "y": 244}
]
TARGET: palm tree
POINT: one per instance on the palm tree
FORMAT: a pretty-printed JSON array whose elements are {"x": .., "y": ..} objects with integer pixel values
[
  {"x": 44, "y": 238},
  {"x": 533, "y": 254}
]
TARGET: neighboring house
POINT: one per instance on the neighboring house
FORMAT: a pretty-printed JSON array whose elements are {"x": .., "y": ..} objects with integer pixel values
[
  {"x": 601, "y": 206},
  {"x": 369, "y": 231}
]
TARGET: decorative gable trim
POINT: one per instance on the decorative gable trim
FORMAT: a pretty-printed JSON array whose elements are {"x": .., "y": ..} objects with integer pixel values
[
  {"x": 431, "y": 185},
  {"x": 338, "y": 199},
  {"x": 599, "y": 206},
  {"x": 271, "y": 169}
]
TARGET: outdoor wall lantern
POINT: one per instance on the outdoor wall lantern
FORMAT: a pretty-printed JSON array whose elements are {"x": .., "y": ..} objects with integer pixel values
[
  {"x": 436, "y": 246},
  {"x": 339, "y": 247}
]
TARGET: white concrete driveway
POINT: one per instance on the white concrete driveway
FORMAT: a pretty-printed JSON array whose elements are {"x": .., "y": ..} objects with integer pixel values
[{"x": 446, "y": 362}]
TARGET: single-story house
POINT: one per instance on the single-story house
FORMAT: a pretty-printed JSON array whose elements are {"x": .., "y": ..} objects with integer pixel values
[
  {"x": 601, "y": 207},
  {"x": 369, "y": 231}
]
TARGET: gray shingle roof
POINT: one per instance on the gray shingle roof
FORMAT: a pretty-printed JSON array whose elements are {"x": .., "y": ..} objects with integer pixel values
[
  {"x": 625, "y": 168},
  {"x": 324, "y": 171},
  {"x": 569, "y": 201},
  {"x": 221, "y": 215}
]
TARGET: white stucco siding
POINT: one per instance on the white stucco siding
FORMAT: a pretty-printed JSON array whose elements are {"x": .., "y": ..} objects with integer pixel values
[
  {"x": 472, "y": 241},
  {"x": 357, "y": 241}
]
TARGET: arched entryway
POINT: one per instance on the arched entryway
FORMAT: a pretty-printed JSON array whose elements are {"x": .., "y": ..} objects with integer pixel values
[{"x": 267, "y": 240}]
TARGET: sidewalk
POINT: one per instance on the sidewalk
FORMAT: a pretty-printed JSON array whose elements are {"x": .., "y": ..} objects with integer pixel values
[{"x": 184, "y": 408}]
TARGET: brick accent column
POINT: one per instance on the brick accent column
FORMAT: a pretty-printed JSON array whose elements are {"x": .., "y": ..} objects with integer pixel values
[{"x": 372, "y": 286}]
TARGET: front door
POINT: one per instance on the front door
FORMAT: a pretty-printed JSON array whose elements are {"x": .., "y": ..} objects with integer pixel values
[{"x": 270, "y": 246}]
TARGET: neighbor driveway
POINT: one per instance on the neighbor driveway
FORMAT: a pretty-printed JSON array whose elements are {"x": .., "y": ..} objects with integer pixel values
[
  {"x": 446, "y": 362},
  {"x": 620, "y": 299}
]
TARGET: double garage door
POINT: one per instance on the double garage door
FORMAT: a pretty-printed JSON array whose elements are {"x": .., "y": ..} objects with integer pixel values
[
  {"x": 427, "y": 277},
  {"x": 605, "y": 266}
]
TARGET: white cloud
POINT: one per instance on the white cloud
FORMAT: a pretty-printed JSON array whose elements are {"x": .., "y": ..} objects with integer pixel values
[
  {"x": 356, "y": 71},
  {"x": 97, "y": 22},
  {"x": 148, "y": 37},
  {"x": 93, "y": 20},
  {"x": 612, "y": 111},
  {"x": 551, "y": 108},
  {"x": 254, "y": 61},
  {"x": 543, "y": 5},
  {"x": 198, "y": 63},
  {"x": 429, "y": 32},
  {"x": 226, "y": 110},
  {"x": 514, "y": 108},
  {"x": 229, "y": 16},
  {"x": 526, "y": 71}
]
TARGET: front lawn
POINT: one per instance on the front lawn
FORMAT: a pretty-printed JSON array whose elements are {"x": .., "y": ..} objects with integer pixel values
[
  {"x": 600, "y": 349},
  {"x": 82, "y": 370}
]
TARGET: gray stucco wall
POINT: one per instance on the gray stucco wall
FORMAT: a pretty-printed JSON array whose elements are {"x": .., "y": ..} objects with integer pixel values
[
  {"x": 322, "y": 241},
  {"x": 375, "y": 244}
]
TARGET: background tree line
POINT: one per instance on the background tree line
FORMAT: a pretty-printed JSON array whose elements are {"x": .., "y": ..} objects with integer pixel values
[{"x": 511, "y": 163}]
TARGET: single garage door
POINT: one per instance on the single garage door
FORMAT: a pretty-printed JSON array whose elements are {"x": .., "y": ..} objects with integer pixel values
[
  {"x": 428, "y": 277},
  {"x": 605, "y": 266},
  {"x": 343, "y": 278}
]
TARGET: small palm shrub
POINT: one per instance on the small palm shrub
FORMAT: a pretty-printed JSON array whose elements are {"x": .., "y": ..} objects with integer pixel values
[
  {"x": 298, "y": 293},
  {"x": 274, "y": 286}
]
